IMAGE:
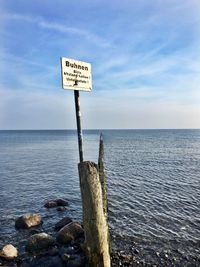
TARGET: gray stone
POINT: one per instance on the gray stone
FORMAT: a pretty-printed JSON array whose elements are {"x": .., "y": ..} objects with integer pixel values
[
  {"x": 65, "y": 257},
  {"x": 56, "y": 203},
  {"x": 9, "y": 252},
  {"x": 62, "y": 202},
  {"x": 62, "y": 223},
  {"x": 50, "y": 204},
  {"x": 40, "y": 243},
  {"x": 70, "y": 232},
  {"x": 28, "y": 220}
]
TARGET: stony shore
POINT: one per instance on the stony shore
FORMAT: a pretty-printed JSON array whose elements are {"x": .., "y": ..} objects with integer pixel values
[
  {"x": 64, "y": 246},
  {"x": 131, "y": 253}
]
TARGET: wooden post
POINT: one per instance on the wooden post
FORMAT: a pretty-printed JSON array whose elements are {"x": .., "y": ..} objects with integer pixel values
[
  {"x": 94, "y": 221},
  {"x": 102, "y": 176},
  {"x": 78, "y": 122}
]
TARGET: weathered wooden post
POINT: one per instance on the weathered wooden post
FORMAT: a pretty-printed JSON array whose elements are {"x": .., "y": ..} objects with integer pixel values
[
  {"x": 94, "y": 221},
  {"x": 102, "y": 176}
]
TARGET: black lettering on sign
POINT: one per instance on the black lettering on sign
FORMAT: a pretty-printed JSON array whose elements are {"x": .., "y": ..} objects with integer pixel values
[{"x": 75, "y": 66}]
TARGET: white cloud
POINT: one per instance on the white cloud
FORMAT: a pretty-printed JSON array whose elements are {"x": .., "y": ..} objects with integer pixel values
[{"x": 61, "y": 28}]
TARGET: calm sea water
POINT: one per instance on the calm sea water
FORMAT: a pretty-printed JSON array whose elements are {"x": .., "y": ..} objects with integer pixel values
[{"x": 153, "y": 179}]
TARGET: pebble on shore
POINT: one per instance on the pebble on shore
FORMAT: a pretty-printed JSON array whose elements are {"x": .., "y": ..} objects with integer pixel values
[
  {"x": 9, "y": 252},
  {"x": 67, "y": 249}
]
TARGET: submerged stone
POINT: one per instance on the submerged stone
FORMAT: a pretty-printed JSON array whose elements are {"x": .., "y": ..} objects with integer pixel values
[
  {"x": 28, "y": 220},
  {"x": 56, "y": 203}
]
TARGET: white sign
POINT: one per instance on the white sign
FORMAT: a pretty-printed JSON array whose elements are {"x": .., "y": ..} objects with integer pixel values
[{"x": 76, "y": 75}]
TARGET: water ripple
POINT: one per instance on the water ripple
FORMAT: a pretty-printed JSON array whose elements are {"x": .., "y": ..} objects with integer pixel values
[{"x": 153, "y": 181}]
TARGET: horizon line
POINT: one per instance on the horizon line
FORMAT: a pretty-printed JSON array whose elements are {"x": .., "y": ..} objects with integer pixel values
[{"x": 99, "y": 129}]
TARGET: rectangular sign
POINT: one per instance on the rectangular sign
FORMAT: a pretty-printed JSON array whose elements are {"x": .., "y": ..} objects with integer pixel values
[{"x": 76, "y": 75}]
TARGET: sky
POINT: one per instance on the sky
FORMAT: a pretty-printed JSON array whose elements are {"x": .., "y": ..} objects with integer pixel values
[{"x": 145, "y": 58}]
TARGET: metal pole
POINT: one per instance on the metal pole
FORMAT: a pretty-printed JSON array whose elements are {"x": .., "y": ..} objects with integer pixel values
[{"x": 78, "y": 122}]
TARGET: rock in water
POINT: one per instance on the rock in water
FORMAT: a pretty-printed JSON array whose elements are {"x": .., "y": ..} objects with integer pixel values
[
  {"x": 50, "y": 204},
  {"x": 62, "y": 202},
  {"x": 39, "y": 243},
  {"x": 28, "y": 220},
  {"x": 61, "y": 208},
  {"x": 9, "y": 252},
  {"x": 70, "y": 232},
  {"x": 62, "y": 223},
  {"x": 56, "y": 203}
]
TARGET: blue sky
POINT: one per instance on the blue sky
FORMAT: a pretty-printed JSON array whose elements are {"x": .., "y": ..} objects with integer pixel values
[{"x": 145, "y": 57}]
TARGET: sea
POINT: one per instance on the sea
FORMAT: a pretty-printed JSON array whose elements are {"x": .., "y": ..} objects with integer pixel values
[{"x": 153, "y": 184}]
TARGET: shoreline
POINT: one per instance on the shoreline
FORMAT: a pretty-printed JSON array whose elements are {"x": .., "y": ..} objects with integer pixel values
[{"x": 126, "y": 251}]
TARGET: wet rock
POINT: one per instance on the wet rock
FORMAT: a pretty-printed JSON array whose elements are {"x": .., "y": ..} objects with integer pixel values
[
  {"x": 34, "y": 231},
  {"x": 9, "y": 264},
  {"x": 53, "y": 251},
  {"x": 78, "y": 242},
  {"x": 69, "y": 232},
  {"x": 142, "y": 262},
  {"x": 186, "y": 257},
  {"x": 62, "y": 223},
  {"x": 121, "y": 258},
  {"x": 76, "y": 261},
  {"x": 50, "y": 204},
  {"x": 9, "y": 252},
  {"x": 69, "y": 250},
  {"x": 136, "y": 251},
  {"x": 43, "y": 262},
  {"x": 61, "y": 208},
  {"x": 62, "y": 202},
  {"x": 65, "y": 257},
  {"x": 39, "y": 243},
  {"x": 56, "y": 203},
  {"x": 28, "y": 220}
]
